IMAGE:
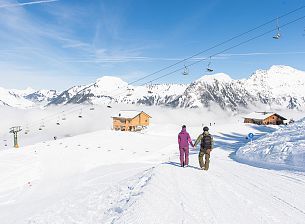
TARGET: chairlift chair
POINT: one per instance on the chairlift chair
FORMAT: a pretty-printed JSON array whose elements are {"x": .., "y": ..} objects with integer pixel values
[
  {"x": 278, "y": 35},
  {"x": 129, "y": 92},
  {"x": 42, "y": 124},
  {"x": 27, "y": 130},
  {"x": 80, "y": 114},
  {"x": 150, "y": 89},
  {"x": 186, "y": 71},
  {"x": 57, "y": 123},
  {"x": 209, "y": 69}
]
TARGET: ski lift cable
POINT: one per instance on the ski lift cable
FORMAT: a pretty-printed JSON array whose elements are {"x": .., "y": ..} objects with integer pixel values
[
  {"x": 219, "y": 44},
  {"x": 223, "y": 51},
  {"x": 194, "y": 55},
  {"x": 55, "y": 115},
  {"x": 227, "y": 49}
]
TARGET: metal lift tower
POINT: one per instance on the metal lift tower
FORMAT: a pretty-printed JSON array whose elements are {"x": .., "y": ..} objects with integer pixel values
[{"x": 15, "y": 131}]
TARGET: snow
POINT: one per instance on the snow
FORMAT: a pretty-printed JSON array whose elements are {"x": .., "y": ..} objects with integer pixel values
[
  {"x": 222, "y": 77},
  {"x": 284, "y": 149},
  {"x": 107, "y": 84},
  {"x": 279, "y": 81},
  {"x": 277, "y": 88},
  {"x": 23, "y": 92},
  {"x": 127, "y": 113},
  {"x": 259, "y": 115},
  {"x": 12, "y": 99},
  {"x": 102, "y": 176}
]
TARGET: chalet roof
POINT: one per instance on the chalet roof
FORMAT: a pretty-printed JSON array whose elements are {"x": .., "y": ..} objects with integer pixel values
[
  {"x": 129, "y": 114},
  {"x": 262, "y": 115}
]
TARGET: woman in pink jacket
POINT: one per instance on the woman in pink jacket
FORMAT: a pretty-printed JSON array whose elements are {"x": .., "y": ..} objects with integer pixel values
[{"x": 184, "y": 140}]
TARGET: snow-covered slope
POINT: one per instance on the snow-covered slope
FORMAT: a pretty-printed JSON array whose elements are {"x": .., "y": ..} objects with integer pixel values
[
  {"x": 121, "y": 177},
  {"x": 279, "y": 87},
  {"x": 217, "y": 89},
  {"x": 284, "y": 148},
  {"x": 109, "y": 89},
  {"x": 26, "y": 98},
  {"x": 42, "y": 96},
  {"x": 14, "y": 98}
]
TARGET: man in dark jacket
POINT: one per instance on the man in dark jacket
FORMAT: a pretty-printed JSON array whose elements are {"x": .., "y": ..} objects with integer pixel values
[{"x": 206, "y": 145}]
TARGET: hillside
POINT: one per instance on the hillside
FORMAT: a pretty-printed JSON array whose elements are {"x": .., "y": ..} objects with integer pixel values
[
  {"x": 282, "y": 149},
  {"x": 279, "y": 87}
]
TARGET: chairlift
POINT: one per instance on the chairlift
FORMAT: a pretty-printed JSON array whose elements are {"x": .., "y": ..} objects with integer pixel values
[
  {"x": 80, "y": 114},
  {"x": 209, "y": 69},
  {"x": 150, "y": 88},
  {"x": 42, "y": 124},
  {"x": 186, "y": 71},
  {"x": 27, "y": 130},
  {"x": 278, "y": 35},
  {"x": 129, "y": 92}
]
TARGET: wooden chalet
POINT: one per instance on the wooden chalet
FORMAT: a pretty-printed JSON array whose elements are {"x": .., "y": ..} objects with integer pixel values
[
  {"x": 130, "y": 120},
  {"x": 264, "y": 118}
]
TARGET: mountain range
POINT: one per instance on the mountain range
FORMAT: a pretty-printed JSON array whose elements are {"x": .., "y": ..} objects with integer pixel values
[{"x": 278, "y": 87}]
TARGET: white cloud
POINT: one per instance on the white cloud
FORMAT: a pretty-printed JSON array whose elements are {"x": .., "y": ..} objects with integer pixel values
[{"x": 26, "y": 3}]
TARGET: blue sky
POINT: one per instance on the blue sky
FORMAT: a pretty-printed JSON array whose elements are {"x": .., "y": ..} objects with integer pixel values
[{"x": 61, "y": 43}]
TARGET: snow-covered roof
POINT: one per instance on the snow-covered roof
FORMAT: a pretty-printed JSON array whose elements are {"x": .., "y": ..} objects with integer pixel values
[
  {"x": 127, "y": 113},
  {"x": 259, "y": 115}
]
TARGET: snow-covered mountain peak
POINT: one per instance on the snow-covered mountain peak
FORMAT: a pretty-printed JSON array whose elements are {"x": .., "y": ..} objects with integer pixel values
[
  {"x": 278, "y": 72},
  {"x": 110, "y": 80},
  {"x": 23, "y": 92},
  {"x": 281, "y": 69},
  {"x": 222, "y": 77},
  {"x": 107, "y": 84}
]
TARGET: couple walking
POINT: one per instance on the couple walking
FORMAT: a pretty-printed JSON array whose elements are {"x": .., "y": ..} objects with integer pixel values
[{"x": 206, "y": 144}]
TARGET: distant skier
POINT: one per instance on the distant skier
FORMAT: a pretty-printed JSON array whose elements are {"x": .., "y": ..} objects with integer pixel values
[
  {"x": 206, "y": 145},
  {"x": 184, "y": 140}
]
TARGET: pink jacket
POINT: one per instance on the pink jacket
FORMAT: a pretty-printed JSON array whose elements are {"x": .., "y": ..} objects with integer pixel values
[{"x": 184, "y": 139}]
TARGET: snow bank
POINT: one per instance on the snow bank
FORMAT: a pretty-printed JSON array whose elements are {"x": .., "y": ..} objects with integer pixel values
[{"x": 282, "y": 149}]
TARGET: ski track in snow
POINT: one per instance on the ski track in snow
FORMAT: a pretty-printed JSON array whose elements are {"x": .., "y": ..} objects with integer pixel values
[
  {"x": 220, "y": 195},
  {"x": 102, "y": 205}
]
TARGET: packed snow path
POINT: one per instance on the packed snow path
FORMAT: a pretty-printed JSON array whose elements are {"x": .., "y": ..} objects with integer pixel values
[
  {"x": 228, "y": 193},
  {"x": 80, "y": 182}
]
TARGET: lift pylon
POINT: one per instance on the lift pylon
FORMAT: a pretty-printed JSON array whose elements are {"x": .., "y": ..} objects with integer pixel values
[{"x": 15, "y": 130}]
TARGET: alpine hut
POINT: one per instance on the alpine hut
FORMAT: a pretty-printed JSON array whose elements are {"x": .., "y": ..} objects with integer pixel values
[
  {"x": 264, "y": 118},
  {"x": 130, "y": 120}
]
